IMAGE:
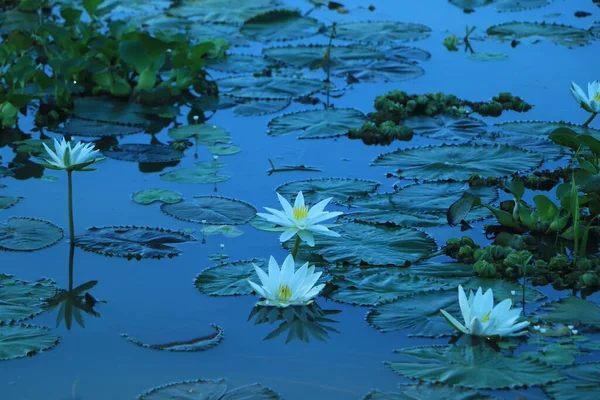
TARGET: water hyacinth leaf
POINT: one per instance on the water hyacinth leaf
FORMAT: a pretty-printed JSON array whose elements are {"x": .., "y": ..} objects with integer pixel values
[
  {"x": 370, "y": 286},
  {"x": 20, "y": 300},
  {"x": 226, "y": 230},
  {"x": 583, "y": 383},
  {"x": 281, "y": 24},
  {"x": 206, "y": 134},
  {"x": 240, "y": 64},
  {"x": 562, "y": 35},
  {"x": 24, "y": 340},
  {"x": 143, "y": 153},
  {"x": 572, "y": 310},
  {"x": 219, "y": 12},
  {"x": 378, "y": 32},
  {"x": 221, "y": 150},
  {"x": 15, "y": 19},
  {"x": 380, "y": 71},
  {"x": 132, "y": 241},
  {"x": 313, "y": 56},
  {"x": 212, "y": 210},
  {"x": 91, "y": 128},
  {"x": 28, "y": 234},
  {"x": 208, "y": 390},
  {"x": 448, "y": 128},
  {"x": 374, "y": 245},
  {"x": 228, "y": 279},
  {"x": 274, "y": 87},
  {"x": 459, "y": 162},
  {"x": 315, "y": 190},
  {"x": 203, "y": 172},
  {"x": 474, "y": 367},
  {"x": 149, "y": 196},
  {"x": 196, "y": 344},
  {"x": 317, "y": 124}
]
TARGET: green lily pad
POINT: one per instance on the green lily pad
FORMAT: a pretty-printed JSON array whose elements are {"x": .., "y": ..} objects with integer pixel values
[
  {"x": 474, "y": 367},
  {"x": 230, "y": 231},
  {"x": 206, "y": 134},
  {"x": 396, "y": 217},
  {"x": 459, "y": 162},
  {"x": 251, "y": 108},
  {"x": 143, "y": 153},
  {"x": 378, "y": 32},
  {"x": 450, "y": 273},
  {"x": 196, "y": 344},
  {"x": 212, "y": 210},
  {"x": 572, "y": 310},
  {"x": 8, "y": 201},
  {"x": 501, "y": 5},
  {"x": 132, "y": 241},
  {"x": 447, "y": 127},
  {"x": 542, "y": 129},
  {"x": 91, "y": 128},
  {"x": 208, "y": 390},
  {"x": 33, "y": 146},
  {"x": 487, "y": 56},
  {"x": 20, "y": 300},
  {"x": 203, "y": 172},
  {"x": 406, "y": 53},
  {"x": 317, "y": 124},
  {"x": 28, "y": 234},
  {"x": 274, "y": 87},
  {"x": 549, "y": 149},
  {"x": 583, "y": 383},
  {"x": 427, "y": 392},
  {"x": 315, "y": 190},
  {"x": 562, "y": 35},
  {"x": 240, "y": 63},
  {"x": 312, "y": 56},
  {"x": 228, "y": 279},
  {"x": 374, "y": 245},
  {"x": 24, "y": 340},
  {"x": 380, "y": 71},
  {"x": 149, "y": 196},
  {"x": 219, "y": 12},
  {"x": 280, "y": 25},
  {"x": 224, "y": 150},
  {"x": 112, "y": 111},
  {"x": 554, "y": 353}
]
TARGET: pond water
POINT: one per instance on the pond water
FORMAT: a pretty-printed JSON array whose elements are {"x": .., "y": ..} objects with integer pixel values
[{"x": 156, "y": 301}]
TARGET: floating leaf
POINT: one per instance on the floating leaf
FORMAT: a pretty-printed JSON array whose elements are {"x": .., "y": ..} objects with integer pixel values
[
  {"x": 549, "y": 149},
  {"x": 143, "y": 153},
  {"x": 20, "y": 300},
  {"x": 380, "y": 71},
  {"x": 228, "y": 279},
  {"x": 274, "y": 87},
  {"x": 583, "y": 383},
  {"x": 377, "y": 32},
  {"x": 132, "y": 241},
  {"x": 572, "y": 310},
  {"x": 427, "y": 392},
  {"x": 196, "y": 344},
  {"x": 33, "y": 146},
  {"x": 206, "y": 134},
  {"x": 240, "y": 64},
  {"x": 474, "y": 367},
  {"x": 459, "y": 162},
  {"x": 24, "y": 340},
  {"x": 112, "y": 111},
  {"x": 90, "y": 128},
  {"x": 315, "y": 190},
  {"x": 501, "y": 5},
  {"x": 8, "y": 201},
  {"x": 28, "y": 234},
  {"x": 260, "y": 107},
  {"x": 374, "y": 245},
  {"x": 447, "y": 127},
  {"x": 217, "y": 11},
  {"x": 221, "y": 150},
  {"x": 203, "y": 172},
  {"x": 317, "y": 124},
  {"x": 406, "y": 53},
  {"x": 450, "y": 273},
  {"x": 227, "y": 230},
  {"x": 149, "y": 196},
  {"x": 312, "y": 56},
  {"x": 562, "y": 35},
  {"x": 542, "y": 129},
  {"x": 280, "y": 25},
  {"x": 487, "y": 56},
  {"x": 208, "y": 390},
  {"x": 213, "y": 210},
  {"x": 554, "y": 353}
]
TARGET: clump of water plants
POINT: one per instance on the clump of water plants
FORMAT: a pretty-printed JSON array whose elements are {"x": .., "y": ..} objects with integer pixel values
[{"x": 383, "y": 134}]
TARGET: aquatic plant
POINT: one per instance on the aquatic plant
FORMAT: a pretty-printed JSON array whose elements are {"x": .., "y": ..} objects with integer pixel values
[{"x": 589, "y": 102}]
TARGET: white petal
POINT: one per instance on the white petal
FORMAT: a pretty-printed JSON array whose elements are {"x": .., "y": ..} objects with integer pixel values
[
  {"x": 323, "y": 230},
  {"x": 319, "y": 207},
  {"x": 324, "y": 216},
  {"x": 287, "y": 207},
  {"x": 307, "y": 237},
  {"x": 299, "y": 202},
  {"x": 452, "y": 321},
  {"x": 287, "y": 270},
  {"x": 55, "y": 159},
  {"x": 262, "y": 275},
  {"x": 465, "y": 308},
  {"x": 288, "y": 234},
  {"x": 313, "y": 292},
  {"x": 578, "y": 93},
  {"x": 274, "y": 275},
  {"x": 259, "y": 290}
]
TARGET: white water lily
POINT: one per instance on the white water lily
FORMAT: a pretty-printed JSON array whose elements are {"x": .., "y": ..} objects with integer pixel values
[
  {"x": 300, "y": 219},
  {"x": 284, "y": 287},
  {"x": 71, "y": 158},
  {"x": 483, "y": 319},
  {"x": 591, "y": 101}
]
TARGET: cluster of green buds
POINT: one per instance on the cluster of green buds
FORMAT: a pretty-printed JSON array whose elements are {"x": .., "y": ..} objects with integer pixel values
[
  {"x": 461, "y": 249},
  {"x": 384, "y": 134}
]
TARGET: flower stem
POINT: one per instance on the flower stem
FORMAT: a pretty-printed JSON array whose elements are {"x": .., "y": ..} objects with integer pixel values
[
  {"x": 296, "y": 247},
  {"x": 70, "y": 202},
  {"x": 590, "y": 119}
]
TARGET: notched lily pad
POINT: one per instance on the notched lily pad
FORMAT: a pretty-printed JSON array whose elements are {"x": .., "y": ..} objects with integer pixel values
[
  {"x": 91, "y": 128},
  {"x": 562, "y": 35},
  {"x": 315, "y": 190},
  {"x": 143, "y": 153},
  {"x": 212, "y": 210},
  {"x": 196, "y": 344},
  {"x": 9, "y": 201},
  {"x": 132, "y": 241},
  {"x": 24, "y": 340},
  {"x": 206, "y": 134},
  {"x": 150, "y": 196},
  {"x": 28, "y": 234},
  {"x": 209, "y": 390},
  {"x": 317, "y": 124},
  {"x": 378, "y": 32},
  {"x": 313, "y": 56},
  {"x": 20, "y": 300},
  {"x": 228, "y": 279},
  {"x": 274, "y": 87},
  {"x": 202, "y": 172},
  {"x": 447, "y": 127},
  {"x": 572, "y": 310},
  {"x": 281, "y": 24}
]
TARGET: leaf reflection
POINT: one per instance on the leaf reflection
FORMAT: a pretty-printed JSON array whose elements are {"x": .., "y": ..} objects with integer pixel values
[{"x": 300, "y": 322}]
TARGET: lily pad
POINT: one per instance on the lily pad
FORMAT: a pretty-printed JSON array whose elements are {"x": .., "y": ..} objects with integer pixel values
[
  {"x": 24, "y": 340},
  {"x": 206, "y": 134},
  {"x": 212, "y": 210},
  {"x": 572, "y": 310},
  {"x": 224, "y": 150},
  {"x": 217, "y": 11},
  {"x": 274, "y": 87},
  {"x": 459, "y": 162},
  {"x": 447, "y": 127},
  {"x": 33, "y": 146},
  {"x": 378, "y": 32},
  {"x": 112, "y": 111},
  {"x": 196, "y": 344},
  {"x": 501, "y": 5},
  {"x": 240, "y": 63},
  {"x": 562, "y": 35},
  {"x": 450, "y": 273},
  {"x": 583, "y": 383},
  {"x": 229, "y": 231},
  {"x": 132, "y": 241},
  {"x": 427, "y": 392},
  {"x": 485, "y": 56},
  {"x": 374, "y": 245},
  {"x": 8, "y": 201},
  {"x": 396, "y": 217},
  {"x": 203, "y": 172},
  {"x": 90, "y": 128},
  {"x": 143, "y": 153},
  {"x": 280, "y": 24},
  {"x": 315, "y": 190},
  {"x": 228, "y": 279},
  {"x": 149, "y": 196},
  {"x": 474, "y": 367},
  {"x": 542, "y": 129},
  {"x": 549, "y": 149},
  {"x": 380, "y": 71},
  {"x": 209, "y": 390},
  {"x": 312, "y": 56},
  {"x": 317, "y": 124},
  {"x": 20, "y": 300},
  {"x": 260, "y": 107},
  {"x": 406, "y": 53},
  {"x": 28, "y": 234}
]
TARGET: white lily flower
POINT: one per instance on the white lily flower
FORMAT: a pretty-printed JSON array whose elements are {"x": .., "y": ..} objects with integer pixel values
[
  {"x": 71, "y": 158},
  {"x": 591, "y": 101},
  {"x": 483, "y": 319},
  {"x": 300, "y": 219},
  {"x": 284, "y": 287}
]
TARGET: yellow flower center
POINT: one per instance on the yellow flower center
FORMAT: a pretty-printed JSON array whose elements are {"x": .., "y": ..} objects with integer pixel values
[
  {"x": 597, "y": 96},
  {"x": 486, "y": 317},
  {"x": 300, "y": 212},
  {"x": 284, "y": 293}
]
